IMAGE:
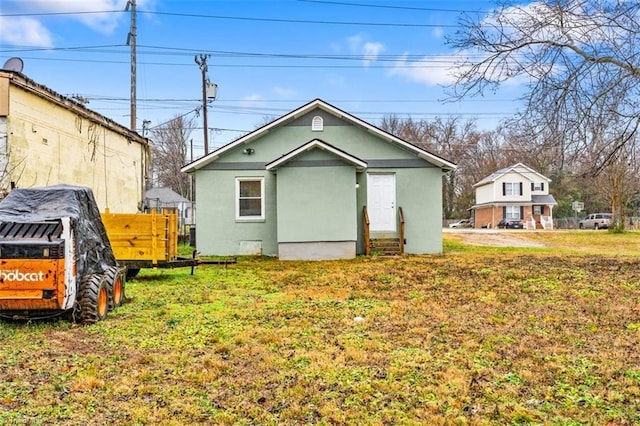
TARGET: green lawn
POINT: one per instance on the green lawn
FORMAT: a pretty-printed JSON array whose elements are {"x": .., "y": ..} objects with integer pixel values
[{"x": 475, "y": 336}]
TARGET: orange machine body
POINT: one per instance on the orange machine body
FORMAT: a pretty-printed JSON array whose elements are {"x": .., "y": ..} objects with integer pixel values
[
  {"x": 32, "y": 284},
  {"x": 37, "y": 266}
]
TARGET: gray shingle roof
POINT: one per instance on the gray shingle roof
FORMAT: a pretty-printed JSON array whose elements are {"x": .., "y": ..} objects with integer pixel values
[
  {"x": 516, "y": 168},
  {"x": 165, "y": 196},
  {"x": 543, "y": 199}
]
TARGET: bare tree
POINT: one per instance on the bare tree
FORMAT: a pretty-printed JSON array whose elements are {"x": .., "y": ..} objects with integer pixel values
[
  {"x": 578, "y": 58},
  {"x": 419, "y": 133},
  {"x": 456, "y": 141},
  {"x": 169, "y": 153},
  {"x": 450, "y": 138},
  {"x": 393, "y": 124},
  {"x": 618, "y": 186}
]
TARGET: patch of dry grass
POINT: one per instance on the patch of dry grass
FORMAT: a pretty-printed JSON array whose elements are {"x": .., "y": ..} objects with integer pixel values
[{"x": 474, "y": 336}]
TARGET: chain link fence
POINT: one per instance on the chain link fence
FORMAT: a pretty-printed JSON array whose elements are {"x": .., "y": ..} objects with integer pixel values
[{"x": 631, "y": 223}]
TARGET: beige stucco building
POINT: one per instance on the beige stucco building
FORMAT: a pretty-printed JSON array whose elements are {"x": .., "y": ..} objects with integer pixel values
[{"x": 48, "y": 139}]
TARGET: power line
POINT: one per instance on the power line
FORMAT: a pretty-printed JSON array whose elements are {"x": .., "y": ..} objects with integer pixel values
[
  {"x": 195, "y": 110},
  {"x": 414, "y": 64},
  {"x": 178, "y": 51},
  {"x": 270, "y": 101},
  {"x": 244, "y": 18},
  {"x": 280, "y": 111},
  {"x": 19, "y": 48},
  {"x": 302, "y": 21},
  {"x": 84, "y": 12},
  {"x": 424, "y": 9}
]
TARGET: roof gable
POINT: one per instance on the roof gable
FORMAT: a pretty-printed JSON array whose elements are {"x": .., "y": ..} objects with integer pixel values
[
  {"x": 518, "y": 168},
  {"x": 331, "y": 110},
  {"x": 317, "y": 144}
]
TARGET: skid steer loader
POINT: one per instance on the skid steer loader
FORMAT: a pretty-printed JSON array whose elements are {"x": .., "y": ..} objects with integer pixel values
[{"x": 55, "y": 257}]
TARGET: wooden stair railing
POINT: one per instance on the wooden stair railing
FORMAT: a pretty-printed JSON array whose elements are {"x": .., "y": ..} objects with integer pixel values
[
  {"x": 366, "y": 223},
  {"x": 367, "y": 231},
  {"x": 401, "y": 220}
]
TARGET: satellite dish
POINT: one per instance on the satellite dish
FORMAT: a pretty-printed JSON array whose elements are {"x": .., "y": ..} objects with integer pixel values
[{"x": 13, "y": 64}]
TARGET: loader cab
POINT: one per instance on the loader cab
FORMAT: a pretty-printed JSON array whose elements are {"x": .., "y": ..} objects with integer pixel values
[{"x": 31, "y": 240}]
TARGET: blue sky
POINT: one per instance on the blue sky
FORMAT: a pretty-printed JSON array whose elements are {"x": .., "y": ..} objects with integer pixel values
[{"x": 367, "y": 57}]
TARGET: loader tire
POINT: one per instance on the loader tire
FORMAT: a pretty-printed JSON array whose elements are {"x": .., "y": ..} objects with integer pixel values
[
  {"x": 115, "y": 282},
  {"x": 94, "y": 299}
]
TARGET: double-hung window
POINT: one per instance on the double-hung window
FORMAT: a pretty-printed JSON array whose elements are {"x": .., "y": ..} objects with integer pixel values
[
  {"x": 512, "y": 188},
  {"x": 250, "y": 198},
  {"x": 537, "y": 186},
  {"x": 512, "y": 212}
]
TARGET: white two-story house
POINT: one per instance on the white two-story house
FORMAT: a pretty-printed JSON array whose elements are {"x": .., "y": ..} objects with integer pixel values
[{"x": 515, "y": 192}]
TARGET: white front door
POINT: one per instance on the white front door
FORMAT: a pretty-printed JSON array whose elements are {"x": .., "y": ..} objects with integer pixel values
[{"x": 381, "y": 201}]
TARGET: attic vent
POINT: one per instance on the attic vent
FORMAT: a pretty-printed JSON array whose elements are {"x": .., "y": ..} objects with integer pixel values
[{"x": 317, "y": 124}]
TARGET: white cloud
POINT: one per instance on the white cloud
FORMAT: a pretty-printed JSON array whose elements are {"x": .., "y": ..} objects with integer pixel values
[
  {"x": 441, "y": 70},
  {"x": 537, "y": 19},
  {"x": 371, "y": 52},
  {"x": 438, "y": 32},
  {"x": 102, "y": 22},
  {"x": 22, "y": 31},
  {"x": 33, "y": 31},
  {"x": 429, "y": 70}
]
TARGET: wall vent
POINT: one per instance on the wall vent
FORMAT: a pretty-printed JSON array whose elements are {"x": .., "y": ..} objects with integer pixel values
[{"x": 317, "y": 124}]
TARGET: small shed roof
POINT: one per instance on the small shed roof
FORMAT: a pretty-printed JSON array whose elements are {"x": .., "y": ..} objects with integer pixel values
[{"x": 165, "y": 195}]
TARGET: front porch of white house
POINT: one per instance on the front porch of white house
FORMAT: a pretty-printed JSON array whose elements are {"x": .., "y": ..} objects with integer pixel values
[{"x": 533, "y": 216}]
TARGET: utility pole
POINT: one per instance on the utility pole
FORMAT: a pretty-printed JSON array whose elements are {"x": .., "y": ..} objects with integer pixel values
[
  {"x": 192, "y": 178},
  {"x": 131, "y": 41},
  {"x": 202, "y": 63}
]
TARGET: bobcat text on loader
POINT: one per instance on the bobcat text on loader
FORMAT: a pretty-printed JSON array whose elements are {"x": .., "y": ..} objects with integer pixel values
[{"x": 55, "y": 257}]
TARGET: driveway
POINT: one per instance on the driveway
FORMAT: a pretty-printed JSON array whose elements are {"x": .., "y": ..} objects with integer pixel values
[{"x": 493, "y": 237}]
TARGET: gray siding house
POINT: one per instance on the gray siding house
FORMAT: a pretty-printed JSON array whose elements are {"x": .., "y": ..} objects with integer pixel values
[{"x": 318, "y": 183}]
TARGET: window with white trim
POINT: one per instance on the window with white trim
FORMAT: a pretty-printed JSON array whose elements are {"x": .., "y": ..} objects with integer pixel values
[
  {"x": 512, "y": 212},
  {"x": 512, "y": 188},
  {"x": 249, "y": 198}
]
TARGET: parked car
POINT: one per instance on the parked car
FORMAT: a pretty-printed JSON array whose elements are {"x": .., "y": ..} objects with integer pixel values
[
  {"x": 596, "y": 221},
  {"x": 511, "y": 224},
  {"x": 464, "y": 223}
]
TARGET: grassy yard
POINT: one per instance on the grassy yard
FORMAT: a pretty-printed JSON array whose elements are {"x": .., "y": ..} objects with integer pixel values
[{"x": 479, "y": 335}]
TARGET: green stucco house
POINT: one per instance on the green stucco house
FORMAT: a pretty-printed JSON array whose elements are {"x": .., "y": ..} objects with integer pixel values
[{"x": 315, "y": 184}]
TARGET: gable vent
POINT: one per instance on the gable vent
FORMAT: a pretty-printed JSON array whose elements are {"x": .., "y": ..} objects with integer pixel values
[{"x": 317, "y": 124}]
